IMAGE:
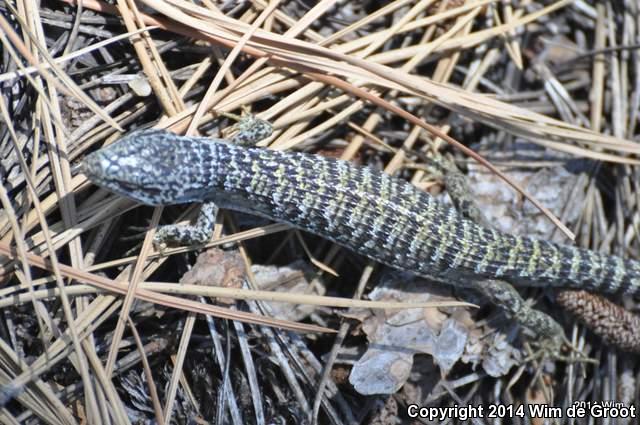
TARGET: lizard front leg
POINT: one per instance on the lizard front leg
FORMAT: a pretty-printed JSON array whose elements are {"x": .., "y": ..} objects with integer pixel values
[
  {"x": 250, "y": 130},
  {"x": 189, "y": 234}
]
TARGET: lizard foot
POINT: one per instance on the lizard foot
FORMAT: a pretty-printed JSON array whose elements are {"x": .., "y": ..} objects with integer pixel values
[
  {"x": 186, "y": 234},
  {"x": 249, "y": 129},
  {"x": 552, "y": 348}
]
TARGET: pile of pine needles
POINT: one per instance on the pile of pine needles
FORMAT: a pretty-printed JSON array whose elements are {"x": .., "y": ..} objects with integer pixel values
[{"x": 100, "y": 327}]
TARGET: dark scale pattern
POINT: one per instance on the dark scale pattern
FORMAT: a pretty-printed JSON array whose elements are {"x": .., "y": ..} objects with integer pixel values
[{"x": 381, "y": 217}]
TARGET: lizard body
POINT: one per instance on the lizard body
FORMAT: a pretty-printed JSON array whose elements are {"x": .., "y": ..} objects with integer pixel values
[{"x": 374, "y": 214}]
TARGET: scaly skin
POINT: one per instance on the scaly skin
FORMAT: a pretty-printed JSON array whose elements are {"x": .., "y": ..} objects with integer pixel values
[{"x": 371, "y": 213}]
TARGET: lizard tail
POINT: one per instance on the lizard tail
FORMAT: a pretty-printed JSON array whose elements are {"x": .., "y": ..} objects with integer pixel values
[{"x": 540, "y": 262}]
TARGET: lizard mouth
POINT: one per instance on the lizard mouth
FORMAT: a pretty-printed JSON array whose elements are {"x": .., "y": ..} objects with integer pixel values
[
  {"x": 140, "y": 193},
  {"x": 145, "y": 195}
]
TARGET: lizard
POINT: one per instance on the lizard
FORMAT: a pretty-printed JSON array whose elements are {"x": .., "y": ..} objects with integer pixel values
[{"x": 379, "y": 216}]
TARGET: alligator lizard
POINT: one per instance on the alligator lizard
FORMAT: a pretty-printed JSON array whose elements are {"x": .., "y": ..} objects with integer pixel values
[{"x": 374, "y": 214}]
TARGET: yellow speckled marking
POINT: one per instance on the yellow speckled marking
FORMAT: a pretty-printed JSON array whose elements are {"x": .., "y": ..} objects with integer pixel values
[
  {"x": 576, "y": 259},
  {"x": 556, "y": 262},
  {"x": 423, "y": 235},
  {"x": 514, "y": 252},
  {"x": 489, "y": 252},
  {"x": 465, "y": 246},
  {"x": 618, "y": 274},
  {"x": 445, "y": 234},
  {"x": 534, "y": 258}
]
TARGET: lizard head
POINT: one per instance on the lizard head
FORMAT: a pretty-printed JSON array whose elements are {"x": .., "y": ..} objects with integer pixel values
[{"x": 153, "y": 167}]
